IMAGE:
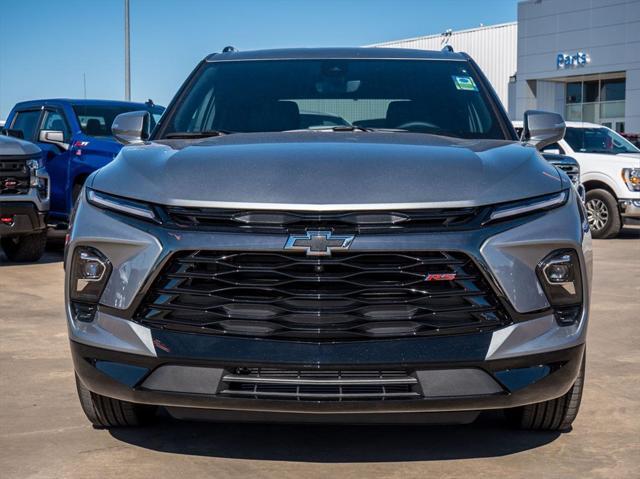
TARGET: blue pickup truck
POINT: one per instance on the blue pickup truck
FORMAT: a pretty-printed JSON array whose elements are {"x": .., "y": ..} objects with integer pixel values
[{"x": 75, "y": 137}]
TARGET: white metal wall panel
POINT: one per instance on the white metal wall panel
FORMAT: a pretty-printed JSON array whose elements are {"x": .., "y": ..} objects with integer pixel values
[{"x": 493, "y": 47}]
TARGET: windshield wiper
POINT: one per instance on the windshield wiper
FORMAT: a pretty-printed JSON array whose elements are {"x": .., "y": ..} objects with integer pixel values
[
  {"x": 196, "y": 134},
  {"x": 335, "y": 128}
]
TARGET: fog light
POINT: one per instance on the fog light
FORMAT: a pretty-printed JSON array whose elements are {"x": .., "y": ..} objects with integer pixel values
[
  {"x": 91, "y": 267},
  {"x": 90, "y": 271},
  {"x": 559, "y": 275},
  {"x": 559, "y": 270}
]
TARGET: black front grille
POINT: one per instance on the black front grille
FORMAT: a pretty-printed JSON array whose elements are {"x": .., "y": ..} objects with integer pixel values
[
  {"x": 353, "y": 221},
  {"x": 572, "y": 171},
  {"x": 320, "y": 385},
  {"x": 14, "y": 177},
  {"x": 346, "y": 296}
]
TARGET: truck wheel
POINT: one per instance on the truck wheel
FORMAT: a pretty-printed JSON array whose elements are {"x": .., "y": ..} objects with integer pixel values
[
  {"x": 553, "y": 415},
  {"x": 24, "y": 249},
  {"x": 103, "y": 411},
  {"x": 602, "y": 213}
]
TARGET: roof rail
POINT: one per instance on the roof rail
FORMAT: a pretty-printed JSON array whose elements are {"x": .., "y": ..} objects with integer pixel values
[
  {"x": 229, "y": 49},
  {"x": 447, "y": 48}
]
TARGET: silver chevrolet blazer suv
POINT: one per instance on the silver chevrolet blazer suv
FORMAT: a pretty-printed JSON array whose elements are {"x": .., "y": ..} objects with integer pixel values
[{"x": 330, "y": 235}]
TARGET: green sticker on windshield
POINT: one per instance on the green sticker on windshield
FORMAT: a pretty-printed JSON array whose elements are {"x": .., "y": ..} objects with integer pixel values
[{"x": 464, "y": 83}]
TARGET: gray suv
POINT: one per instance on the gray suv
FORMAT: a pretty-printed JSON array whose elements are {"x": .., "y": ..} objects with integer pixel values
[{"x": 408, "y": 261}]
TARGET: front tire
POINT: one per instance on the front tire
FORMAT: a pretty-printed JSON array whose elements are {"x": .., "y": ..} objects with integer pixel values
[
  {"x": 107, "y": 412},
  {"x": 553, "y": 415},
  {"x": 25, "y": 249},
  {"x": 602, "y": 213}
]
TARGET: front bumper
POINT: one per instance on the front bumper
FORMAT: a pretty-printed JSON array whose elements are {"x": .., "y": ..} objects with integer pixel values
[
  {"x": 630, "y": 208},
  {"x": 26, "y": 218},
  {"x": 516, "y": 381}
]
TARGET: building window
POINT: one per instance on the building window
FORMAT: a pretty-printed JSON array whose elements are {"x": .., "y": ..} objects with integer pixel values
[
  {"x": 574, "y": 92},
  {"x": 596, "y": 101},
  {"x": 612, "y": 90}
]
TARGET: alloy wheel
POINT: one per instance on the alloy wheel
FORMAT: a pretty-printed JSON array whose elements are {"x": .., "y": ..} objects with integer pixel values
[{"x": 597, "y": 214}]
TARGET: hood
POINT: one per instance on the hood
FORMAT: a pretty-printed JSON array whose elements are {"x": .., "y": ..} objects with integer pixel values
[
  {"x": 329, "y": 170},
  {"x": 633, "y": 156},
  {"x": 10, "y": 146}
]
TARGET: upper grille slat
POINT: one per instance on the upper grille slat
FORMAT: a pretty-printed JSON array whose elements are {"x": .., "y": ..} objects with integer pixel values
[
  {"x": 239, "y": 293},
  {"x": 289, "y": 221}
]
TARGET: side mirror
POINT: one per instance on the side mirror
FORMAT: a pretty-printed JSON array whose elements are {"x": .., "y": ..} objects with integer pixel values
[
  {"x": 131, "y": 128},
  {"x": 542, "y": 128},
  {"x": 54, "y": 137},
  {"x": 19, "y": 134}
]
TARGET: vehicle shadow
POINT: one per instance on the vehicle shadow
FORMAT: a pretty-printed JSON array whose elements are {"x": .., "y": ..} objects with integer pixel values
[
  {"x": 489, "y": 436},
  {"x": 629, "y": 232}
]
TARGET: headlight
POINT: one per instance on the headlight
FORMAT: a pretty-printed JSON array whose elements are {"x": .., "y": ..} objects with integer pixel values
[
  {"x": 121, "y": 205},
  {"x": 531, "y": 205},
  {"x": 34, "y": 164},
  {"x": 559, "y": 274},
  {"x": 631, "y": 177}
]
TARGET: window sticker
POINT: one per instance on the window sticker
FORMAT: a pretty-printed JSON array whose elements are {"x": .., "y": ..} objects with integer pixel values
[{"x": 464, "y": 83}]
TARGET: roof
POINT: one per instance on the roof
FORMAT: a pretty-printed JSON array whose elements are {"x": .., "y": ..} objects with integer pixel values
[
  {"x": 80, "y": 101},
  {"x": 336, "y": 53}
]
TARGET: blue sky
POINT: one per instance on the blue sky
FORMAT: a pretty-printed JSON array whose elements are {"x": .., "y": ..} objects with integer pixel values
[{"x": 47, "y": 45}]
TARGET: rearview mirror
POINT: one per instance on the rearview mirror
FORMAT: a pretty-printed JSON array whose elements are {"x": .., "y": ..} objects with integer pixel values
[
  {"x": 131, "y": 128},
  {"x": 542, "y": 128},
  {"x": 54, "y": 137}
]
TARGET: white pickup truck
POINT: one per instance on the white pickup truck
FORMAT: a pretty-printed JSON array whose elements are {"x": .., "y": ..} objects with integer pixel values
[{"x": 610, "y": 173}]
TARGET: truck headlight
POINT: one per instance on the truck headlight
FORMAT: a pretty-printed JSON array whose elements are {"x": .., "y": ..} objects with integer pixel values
[
  {"x": 560, "y": 277},
  {"x": 34, "y": 164},
  {"x": 631, "y": 177}
]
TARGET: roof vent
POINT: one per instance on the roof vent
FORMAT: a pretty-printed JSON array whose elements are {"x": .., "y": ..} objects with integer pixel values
[{"x": 229, "y": 49}]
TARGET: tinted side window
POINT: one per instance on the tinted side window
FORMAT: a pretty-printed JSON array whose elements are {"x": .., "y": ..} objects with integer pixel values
[
  {"x": 27, "y": 123},
  {"x": 575, "y": 138},
  {"x": 55, "y": 121}
]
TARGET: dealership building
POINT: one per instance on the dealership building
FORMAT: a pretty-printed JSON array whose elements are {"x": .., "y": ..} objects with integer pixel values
[{"x": 576, "y": 57}]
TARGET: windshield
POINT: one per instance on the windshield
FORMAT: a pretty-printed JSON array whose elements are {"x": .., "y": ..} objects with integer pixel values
[
  {"x": 96, "y": 120},
  {"x": 439, "y": 97},
  {"x": 598, "y": 140}
]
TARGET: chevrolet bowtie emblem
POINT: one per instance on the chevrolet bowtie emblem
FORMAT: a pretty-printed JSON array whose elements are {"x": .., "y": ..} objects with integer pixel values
[{"x": 318, "y": 243}]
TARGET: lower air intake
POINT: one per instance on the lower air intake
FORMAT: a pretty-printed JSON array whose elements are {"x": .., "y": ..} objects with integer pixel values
[{"x": 263, "y": 383}]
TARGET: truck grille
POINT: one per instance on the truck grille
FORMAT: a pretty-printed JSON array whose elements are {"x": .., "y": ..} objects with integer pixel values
[
  {"x": 14, "y": 177},
  {"x": 264, "y": 383},
  {"x": 346, "y": 296},
  {"x": 572, "y": 171},
  {"x": 354, "y": 221}
]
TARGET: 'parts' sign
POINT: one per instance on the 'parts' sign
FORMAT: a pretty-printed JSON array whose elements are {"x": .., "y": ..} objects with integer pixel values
[{"x": 579, "y": 59}]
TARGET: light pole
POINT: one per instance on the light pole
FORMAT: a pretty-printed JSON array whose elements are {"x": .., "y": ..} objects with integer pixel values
[{"x": 127, "y": 59}]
